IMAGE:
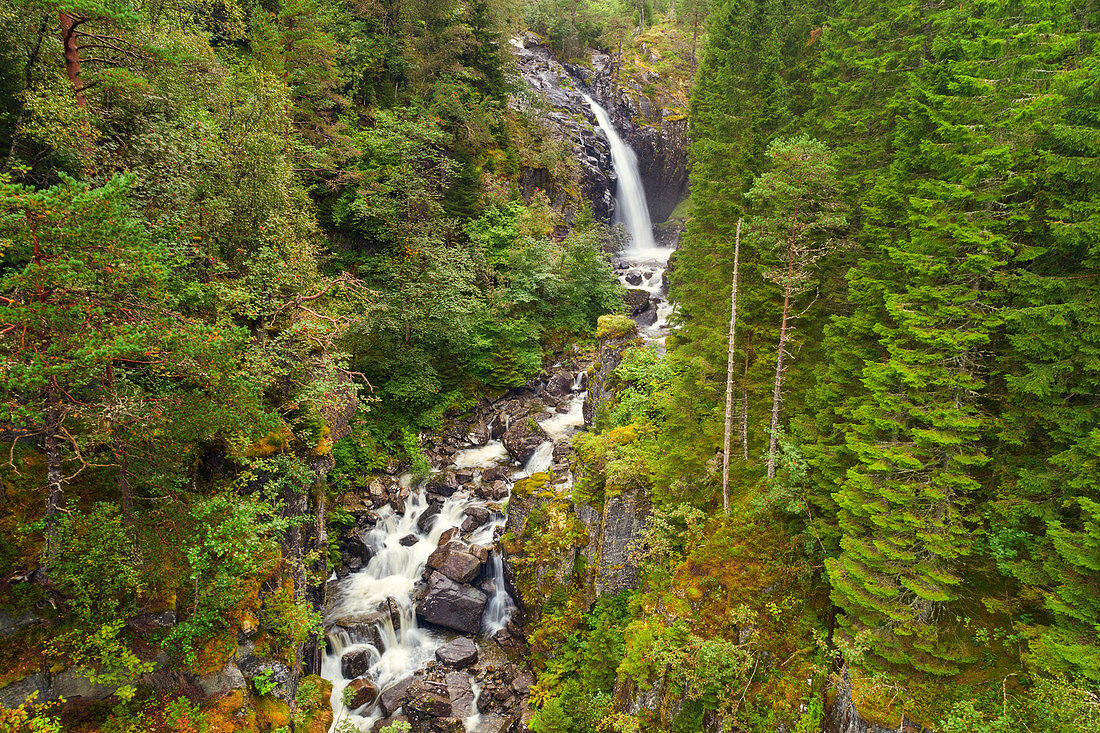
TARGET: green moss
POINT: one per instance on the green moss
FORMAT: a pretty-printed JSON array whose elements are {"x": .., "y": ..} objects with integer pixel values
[{"x": 615, "y": 325}]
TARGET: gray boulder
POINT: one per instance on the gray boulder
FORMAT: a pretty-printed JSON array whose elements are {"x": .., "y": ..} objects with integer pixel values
[
  {"x": 458, "y": 654},
  {"x": 393, "y": 697},
  {"x": 452, "y": 605}
]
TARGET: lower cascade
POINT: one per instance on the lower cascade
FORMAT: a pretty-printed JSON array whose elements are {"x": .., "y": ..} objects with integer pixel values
[
  {"x": 642, "y": 265},
  {"x": 416, "y": 630}
]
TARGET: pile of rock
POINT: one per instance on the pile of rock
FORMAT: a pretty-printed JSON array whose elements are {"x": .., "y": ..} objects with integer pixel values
[{"x": 440, "y": 697}]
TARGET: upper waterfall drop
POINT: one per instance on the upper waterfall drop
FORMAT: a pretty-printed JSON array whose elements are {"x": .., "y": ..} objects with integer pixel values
[{"x": 630, "y": 195}]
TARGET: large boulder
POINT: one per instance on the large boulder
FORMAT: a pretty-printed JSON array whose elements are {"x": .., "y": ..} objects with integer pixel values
[
  {"x": 458, "y": 654},
  {"x": 426, "y": 700},
  {"x": 452, "y": 605},
  {"x": 523, "y": 438},
  {"x": 393, "y": 697},
  {"x": 355, "y": 663},
  {"x": 560, "y": 384},
  {"x": 444, "y": 483},
  {"x": 461, "y": 694},
  {"x": 461, "y": 567},
  {"x": 362, "y": 692}
]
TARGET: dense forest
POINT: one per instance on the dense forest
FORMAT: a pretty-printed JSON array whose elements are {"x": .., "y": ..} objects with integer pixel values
[{"x": 257, "y": 254}]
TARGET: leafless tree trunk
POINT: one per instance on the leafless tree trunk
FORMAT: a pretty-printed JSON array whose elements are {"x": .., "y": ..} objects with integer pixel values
[
  {"x": 729, "y": 377},
  {"x": 745, "y": 400},
  {"x": 780, "y": 365},
  {"x": 55, "y": 493}
]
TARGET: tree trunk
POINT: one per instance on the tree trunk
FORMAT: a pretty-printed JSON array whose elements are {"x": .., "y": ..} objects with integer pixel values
[
  {"x": 72, "y": 56},
  {"x": 729, "y": 377},
  {"x": 777, "y": 392},
  {"x": 745, "y": 400},
  {"x": 55, "y": 494}
]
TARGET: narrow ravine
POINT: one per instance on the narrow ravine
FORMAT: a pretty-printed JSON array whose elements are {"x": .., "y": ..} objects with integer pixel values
[
  {"x": 435, "y": 575},
  {"x": 405, "y": 631}
]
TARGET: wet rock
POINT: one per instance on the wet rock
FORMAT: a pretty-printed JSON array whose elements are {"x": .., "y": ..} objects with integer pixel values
[
  {"x": 452, "y": 605},
  {"x": 475, "y": 517},
  {"x": 363, "y": 692},
  {"x": 387, "y": 723},
  {"x": 408, "y": 540},
  {"x": 461, "y": 694},
  {"x": 424, "y": 522},
  {"x": 481, "y": 552},
  {"x": 458, "y": 654},
  {"x": 395, "y": 613},
  {"x": 459, "y": 566},
  {"x": 393, "y": 696},
  {"x": 355, "y": 663},
  {"x": 425, "y": 700},
  {"x": 523, "y": 438},
  {"x": 493, "y": 723},
  {"x": 633, "y": 278},
  {"x": 449, "y": 534},
  {"x": 444, "y": 484},
  {"x": 495, "y": 473},
  {"x": 464, "y": 476},
  {"x": 398, "y": 504},
  {"x": 560, "y": 384}
]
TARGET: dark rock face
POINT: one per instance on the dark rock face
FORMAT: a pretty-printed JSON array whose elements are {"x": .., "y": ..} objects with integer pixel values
[
  {"x": 843, "y": 717},
  {"x": 461, "y": 567},
  {"x": 424, "y": 523},
  {"x": 625, "y": 518},
  {"x": 444, "y": 484},
  {"x": 354, "y": 664},
  {"x": 458, "y": 654},
  {"x": 393, "y": 696},
  {"x": 451, "y": 605},
  {"x": 363, "y": 692},
  {"x": 523, "y": 438},
  {"x": 553, "y": 82},
  {"x": 652, "y": 128}
]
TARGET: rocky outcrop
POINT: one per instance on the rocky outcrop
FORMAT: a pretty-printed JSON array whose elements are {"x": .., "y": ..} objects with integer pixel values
[
  {"x": 616, "y": 335},
  {"x": 523, "y": 438},
  {"x": 567, "y": 119},
  {"x": 656, "y": 129},
  {"x": 844, "y": 717},
  {"x": 452, "y": 605},
  {"x": 457, "y": 654}
]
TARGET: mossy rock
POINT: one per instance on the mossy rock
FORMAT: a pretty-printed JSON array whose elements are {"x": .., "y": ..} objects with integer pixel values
[
  {"x": 532, "y": 485},
  {"x": 615, "y": 325},
  {"x": 271, "y": 714}
]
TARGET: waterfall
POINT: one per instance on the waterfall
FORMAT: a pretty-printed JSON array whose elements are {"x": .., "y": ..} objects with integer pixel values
[
  {"x": 630, "y": 196},
  {"x": 500, "y": 607},
  {"x": 372, "y": 613}
]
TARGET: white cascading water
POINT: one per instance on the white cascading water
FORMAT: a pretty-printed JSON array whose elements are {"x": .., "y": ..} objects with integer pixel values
[
  {"x": 643, "y": 259},
  {"x": 631, "y": 207},
  {"x": 358, "y": 618}
]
